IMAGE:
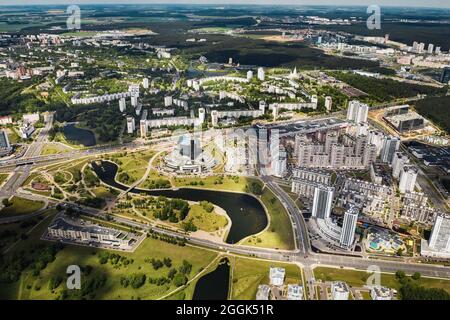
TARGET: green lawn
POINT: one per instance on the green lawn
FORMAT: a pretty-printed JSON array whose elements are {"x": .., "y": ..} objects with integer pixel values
[
  {"x": 37, "y": 287},
  {"x": 13, "y": 136},
  {"x": 206, "y": 221},
  {"x": 49, "y": 149},
  {"x": 20, "y": 206},
  {"x": 230, "y": 183},
  {"x": 102, "y": 192},
  {"x": 134, "y": 164},
  {"x": 358, "y": 278},
  {"x": 3, "y": 177},
  {"x": 366, "y": 295},
  {"x": 249, "y": 273},
  {"x": 279, "y": 234}
]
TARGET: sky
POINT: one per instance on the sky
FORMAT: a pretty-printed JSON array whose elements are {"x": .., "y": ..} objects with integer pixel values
[{"x": 409, "y": 3}]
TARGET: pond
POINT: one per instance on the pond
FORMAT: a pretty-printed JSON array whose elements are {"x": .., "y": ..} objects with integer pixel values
[
  {"x": 78, "y": 135},
  {"x": 214, "y": 285},
  {"x": 247, "y": 214}
]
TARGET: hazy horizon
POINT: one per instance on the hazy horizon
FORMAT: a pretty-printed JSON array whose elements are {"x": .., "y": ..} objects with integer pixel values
[{"x": 445, "y": 4}]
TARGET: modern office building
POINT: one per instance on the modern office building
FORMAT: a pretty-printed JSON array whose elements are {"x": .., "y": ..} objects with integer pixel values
[
  {"x": 64, "y": 228},
  {"x": 445, "y": 76},
  {"x": 390, "y": 145},
  {"x": 407, "y": 122},
  {"x": 396, "y": 110},
  {"x": 440, "y": 235},
  {"x": 439, "y": 244},
  {"x": 5, "y": 147},
  {"x": 323, "y": 198},
  {"x": 408, "y": 176},
  {"x": 349, "y": 227}
]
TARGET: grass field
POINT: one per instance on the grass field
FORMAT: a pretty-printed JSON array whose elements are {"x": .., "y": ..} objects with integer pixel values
[
  {"x": 279, "y": 234},
  {"x": 247, "y": 274},
  {"x": 134, "y": 164},
  {"x": 358, "y": 278},
  {"x": 36, "y": 287},
  {"x": 366, "y": 295},
  {"x": 13, "y": 136},
  {"x": 436, "y": 109},
  {"x": 49, "y": 149},
  {"x": 233, "y": 183},
  {"x": 103, "y": 192},
  {"x": 20, "y": 206},
  {"x": 3, "y": 177},
  {"x": 206, "y": 221}
]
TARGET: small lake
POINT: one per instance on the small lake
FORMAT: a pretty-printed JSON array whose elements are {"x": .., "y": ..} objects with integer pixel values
[
  {"x": 245, "y": 211},
  {"x": 214, "y": 285},
  {"x": 79, "y": 136}
]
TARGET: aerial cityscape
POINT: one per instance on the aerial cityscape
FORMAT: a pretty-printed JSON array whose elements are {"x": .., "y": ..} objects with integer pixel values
[{"x": 224, "y": 152}]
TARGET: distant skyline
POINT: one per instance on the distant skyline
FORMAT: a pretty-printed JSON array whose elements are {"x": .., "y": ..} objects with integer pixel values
[{"x": 400, "y": 3}]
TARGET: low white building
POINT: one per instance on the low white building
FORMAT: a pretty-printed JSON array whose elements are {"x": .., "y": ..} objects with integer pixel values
[
  {"x": 339, "y": 290},
  {"x": 277, "y": 276},
  {"x": 26, "y": 131},
  {"x": 295, "y": 292},
  {"x": 380, "y": 293},
  {"x": 263, "y": 292},
  {"x": 31, "y": 118}
]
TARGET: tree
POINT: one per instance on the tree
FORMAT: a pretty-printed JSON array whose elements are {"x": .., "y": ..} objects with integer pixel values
[
  {"x": 255, "y": 188},
  {"x": 207, "y": 206},
  {"x": 416, "y": 276},
  {"x": 412, "y": 291},
  {"x": 179, "y": 279},
  {"x": 54, "y": 282},
  {"x": 172, "y": 272},
  {"x": 6, "y": 202},
  {"x": 400, "y": 274},
  {"x": 138, "y": 280},
  {"x": 167, "y": 262},
  {"x": 186, "y": 267}
]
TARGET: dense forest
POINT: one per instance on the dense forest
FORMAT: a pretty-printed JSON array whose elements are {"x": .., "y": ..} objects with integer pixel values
[
  {"x": 13, "y": 101},
  {"x": 386, "y": 89},
  {"x": 436, "y": 109}
]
